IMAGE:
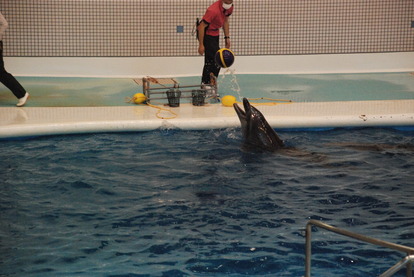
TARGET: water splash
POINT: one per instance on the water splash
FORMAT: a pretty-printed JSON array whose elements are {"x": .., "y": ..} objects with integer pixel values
[{"x": 233, "y": 81}]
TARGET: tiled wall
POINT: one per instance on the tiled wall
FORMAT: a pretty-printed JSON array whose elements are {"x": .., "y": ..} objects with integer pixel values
[{"x": 148, "y": 28}]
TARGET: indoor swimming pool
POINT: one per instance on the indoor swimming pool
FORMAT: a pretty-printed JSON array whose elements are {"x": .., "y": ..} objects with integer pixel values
[
  {"x": 191, "y": 203},
  {"x": 94, "y": 183}
]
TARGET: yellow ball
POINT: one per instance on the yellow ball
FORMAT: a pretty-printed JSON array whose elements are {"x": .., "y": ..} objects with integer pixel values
[
  {"x": 228, "y": 100},
  {"x": 139, "y": 98}
]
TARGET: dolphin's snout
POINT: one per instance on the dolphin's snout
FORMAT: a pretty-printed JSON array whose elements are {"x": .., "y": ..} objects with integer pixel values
[
  {"x": 246, "y": 105},
  {"x": 255, "y": 128}
]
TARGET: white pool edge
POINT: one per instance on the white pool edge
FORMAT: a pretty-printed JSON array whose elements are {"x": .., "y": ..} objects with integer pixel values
[{"x": 41, "y": 121}]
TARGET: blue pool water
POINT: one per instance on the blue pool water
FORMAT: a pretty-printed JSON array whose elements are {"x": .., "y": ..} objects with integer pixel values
[
  {"x": 177, "y": 203},
  {"x": 69, "y": 92}
]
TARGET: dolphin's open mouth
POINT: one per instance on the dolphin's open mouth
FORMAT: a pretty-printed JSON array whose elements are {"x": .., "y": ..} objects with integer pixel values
[
  {"x": 247, "y": 109},
  {"x": 239, "y": 111}
]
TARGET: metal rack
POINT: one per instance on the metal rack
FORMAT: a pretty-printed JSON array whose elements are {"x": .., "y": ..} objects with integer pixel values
[{"x": 157, "y": 88}]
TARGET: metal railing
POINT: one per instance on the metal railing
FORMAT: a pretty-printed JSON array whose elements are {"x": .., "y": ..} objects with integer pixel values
[{"x": 407, "y": 261}]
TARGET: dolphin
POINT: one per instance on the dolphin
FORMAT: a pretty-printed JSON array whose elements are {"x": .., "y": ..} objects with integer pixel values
[{"x": 257, "y": 132}]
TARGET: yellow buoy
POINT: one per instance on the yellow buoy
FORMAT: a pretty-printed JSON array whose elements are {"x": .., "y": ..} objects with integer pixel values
[
  {"x": 139, "y": 98},
  {"x": 228, "y": 100}
]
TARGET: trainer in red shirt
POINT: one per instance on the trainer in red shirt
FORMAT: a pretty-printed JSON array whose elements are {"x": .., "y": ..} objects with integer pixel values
[{"x": 216, "y": 17}]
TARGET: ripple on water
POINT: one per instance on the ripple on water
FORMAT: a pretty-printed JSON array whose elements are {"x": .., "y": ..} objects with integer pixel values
[{"x": 192, "y": 203}]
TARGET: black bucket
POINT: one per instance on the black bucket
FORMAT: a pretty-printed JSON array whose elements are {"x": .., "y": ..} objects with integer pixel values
[
  {"x": 173, "y": 96},
  {"x": 199, "y": 97}
]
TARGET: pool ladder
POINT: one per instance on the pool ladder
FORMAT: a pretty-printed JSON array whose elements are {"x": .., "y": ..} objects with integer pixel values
[{"x": 407, "y": 261}]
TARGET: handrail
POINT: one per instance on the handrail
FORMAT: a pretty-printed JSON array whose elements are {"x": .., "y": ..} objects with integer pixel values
[
  {"x": 407, "y": 261},
  {"x": 408, "y": 250}
]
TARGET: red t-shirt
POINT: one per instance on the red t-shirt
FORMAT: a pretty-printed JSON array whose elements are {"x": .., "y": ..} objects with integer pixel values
[{"x": 215, "y": 16}]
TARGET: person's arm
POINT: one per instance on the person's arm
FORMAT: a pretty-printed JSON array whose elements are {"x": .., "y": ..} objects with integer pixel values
[
  {"x": 226, "y": 29},
  {"x": 201, "y": 31},
  {"x": 3, "y": 25}
]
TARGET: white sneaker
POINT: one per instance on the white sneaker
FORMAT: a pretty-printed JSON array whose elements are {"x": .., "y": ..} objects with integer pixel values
[{"x": 23, "y": 100}]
